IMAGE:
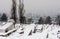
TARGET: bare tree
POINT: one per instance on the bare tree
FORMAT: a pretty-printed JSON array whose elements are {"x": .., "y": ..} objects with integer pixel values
[
  {"x": 30, "y": 20},
  {"x": 13, "y": 11},
  {"x": 21, "y": 11}
]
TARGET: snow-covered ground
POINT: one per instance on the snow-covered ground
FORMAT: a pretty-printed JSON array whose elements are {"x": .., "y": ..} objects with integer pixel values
[{"x": 42, "y": 32}]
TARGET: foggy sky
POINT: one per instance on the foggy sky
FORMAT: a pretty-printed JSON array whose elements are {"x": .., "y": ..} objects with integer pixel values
[
  {"x": 36, "y": 7},
  {"x": 5, "y": 6}
]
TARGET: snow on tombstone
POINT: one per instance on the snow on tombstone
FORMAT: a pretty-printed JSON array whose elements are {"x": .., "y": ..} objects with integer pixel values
[
  {"x": 39, "y": 28},
  {"x": 6, "y": 28},
  {"x": 29, "y": 29}
]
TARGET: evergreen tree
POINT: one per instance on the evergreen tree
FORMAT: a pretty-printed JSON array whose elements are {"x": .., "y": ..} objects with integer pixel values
[
  {"x": 58, "y": 19},
  {"x": 48, "y": 20},
  {"x": 40, "y": 21},
  {"x": 4, "y": 17}
]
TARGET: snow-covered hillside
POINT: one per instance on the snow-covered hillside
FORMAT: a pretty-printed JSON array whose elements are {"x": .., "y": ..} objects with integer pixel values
[{"x": 35, "y": 31}]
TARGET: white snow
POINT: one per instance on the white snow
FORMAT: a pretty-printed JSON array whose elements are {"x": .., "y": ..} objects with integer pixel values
[
  {"x": 49, "y": 32},
  {"x": 6, "y": 25}
]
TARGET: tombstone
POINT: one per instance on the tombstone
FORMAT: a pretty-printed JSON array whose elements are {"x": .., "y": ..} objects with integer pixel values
[{"x": 30, "y": 33}]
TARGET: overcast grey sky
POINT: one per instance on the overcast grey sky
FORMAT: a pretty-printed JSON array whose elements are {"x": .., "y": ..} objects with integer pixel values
[{"x": 37, "y": 7}]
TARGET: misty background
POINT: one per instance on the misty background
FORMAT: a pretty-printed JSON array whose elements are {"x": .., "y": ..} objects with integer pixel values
[{"x": 34, "y": 7}]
